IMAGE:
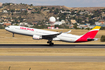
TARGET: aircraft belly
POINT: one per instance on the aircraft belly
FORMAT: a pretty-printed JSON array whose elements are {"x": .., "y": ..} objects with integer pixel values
[{"x": 68, "y": 39}]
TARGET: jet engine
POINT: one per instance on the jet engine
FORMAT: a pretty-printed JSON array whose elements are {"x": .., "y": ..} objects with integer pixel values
[{"x": 36, "y": 37}]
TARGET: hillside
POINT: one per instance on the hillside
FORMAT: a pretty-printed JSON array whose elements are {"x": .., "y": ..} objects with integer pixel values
[
  {"x": 74, "y": 8},
  {"x": 86, "y": 8},
  {"x": 30, "y": 13},
  {"x": 35, "y": 16},
  {"x": 58, "y": 7}
]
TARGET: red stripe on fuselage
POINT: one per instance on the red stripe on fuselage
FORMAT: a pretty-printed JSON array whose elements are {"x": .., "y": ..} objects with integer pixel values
[{"x": 90, "y": 35}]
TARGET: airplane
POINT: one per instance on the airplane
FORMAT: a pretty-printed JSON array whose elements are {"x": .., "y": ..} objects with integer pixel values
[{"x": 38, "y": 34}]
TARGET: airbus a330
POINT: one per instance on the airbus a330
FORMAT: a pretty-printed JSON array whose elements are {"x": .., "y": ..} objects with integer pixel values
[{"x": 38, "y": 34}]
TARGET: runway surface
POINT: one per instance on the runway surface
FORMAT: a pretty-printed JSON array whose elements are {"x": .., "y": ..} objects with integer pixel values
[
  {"x": 55, "y": 46},
  {"x": 54, "y": 58}
]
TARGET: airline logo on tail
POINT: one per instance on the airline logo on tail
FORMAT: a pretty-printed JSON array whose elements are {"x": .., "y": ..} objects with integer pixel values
[
  {"x": 89, "y": 35},
  {"x": 96, "y": 28}
]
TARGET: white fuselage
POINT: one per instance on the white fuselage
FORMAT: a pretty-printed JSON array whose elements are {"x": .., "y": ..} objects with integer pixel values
[{"x": 32, "y": 31}]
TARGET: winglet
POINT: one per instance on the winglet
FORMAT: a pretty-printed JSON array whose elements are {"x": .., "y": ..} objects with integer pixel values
[
  {"x": 67, "y": 32},
  {"x": 59, "y": 33}
]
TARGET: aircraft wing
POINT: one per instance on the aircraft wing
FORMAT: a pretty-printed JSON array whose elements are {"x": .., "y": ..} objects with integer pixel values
[
  {"x": 67, "y": 32},
  {"x": 50, "y": 36}
]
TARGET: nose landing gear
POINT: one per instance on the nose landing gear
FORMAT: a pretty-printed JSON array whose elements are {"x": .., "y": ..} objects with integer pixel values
[{"x": 13, "y": 35}]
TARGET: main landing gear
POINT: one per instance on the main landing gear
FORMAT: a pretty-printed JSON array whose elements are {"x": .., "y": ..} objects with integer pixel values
[{"x": 50, "y": 42}]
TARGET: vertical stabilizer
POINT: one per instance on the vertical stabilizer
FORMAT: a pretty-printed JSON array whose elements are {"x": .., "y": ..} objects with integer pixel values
[{"x": 89, "y": 35}]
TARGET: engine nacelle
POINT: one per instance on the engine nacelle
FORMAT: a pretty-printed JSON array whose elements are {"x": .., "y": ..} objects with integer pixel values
[{"x": 36, "y": 37}]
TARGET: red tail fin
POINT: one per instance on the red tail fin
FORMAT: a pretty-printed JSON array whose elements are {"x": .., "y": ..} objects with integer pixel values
[{"x": 89, "y": 35}]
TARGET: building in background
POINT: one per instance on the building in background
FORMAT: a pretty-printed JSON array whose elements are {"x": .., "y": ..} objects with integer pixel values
[
  {"x": 1, "y": 4},
  {"x": 63, "y": 21},
  {"x": 23, "y": 24},
  {"x": 58, "y": 23},
  {"x": 52, "y": 20},
  {"x": 73, "y": 21},
  {"x": 6, "y": 23}
]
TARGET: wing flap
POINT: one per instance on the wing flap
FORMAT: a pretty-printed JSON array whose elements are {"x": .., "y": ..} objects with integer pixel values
[{"x": 51, "y": 36}]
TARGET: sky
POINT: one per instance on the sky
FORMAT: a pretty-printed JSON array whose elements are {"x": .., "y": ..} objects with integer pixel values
[{"x": 68, "y": 3}]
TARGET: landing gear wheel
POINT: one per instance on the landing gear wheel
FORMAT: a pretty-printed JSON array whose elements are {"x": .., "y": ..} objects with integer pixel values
[{"x": 50, "y": 43}]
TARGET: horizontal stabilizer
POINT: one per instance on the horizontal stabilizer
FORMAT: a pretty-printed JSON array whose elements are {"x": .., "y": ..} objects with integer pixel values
[{"x": 95, "y": 39}]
